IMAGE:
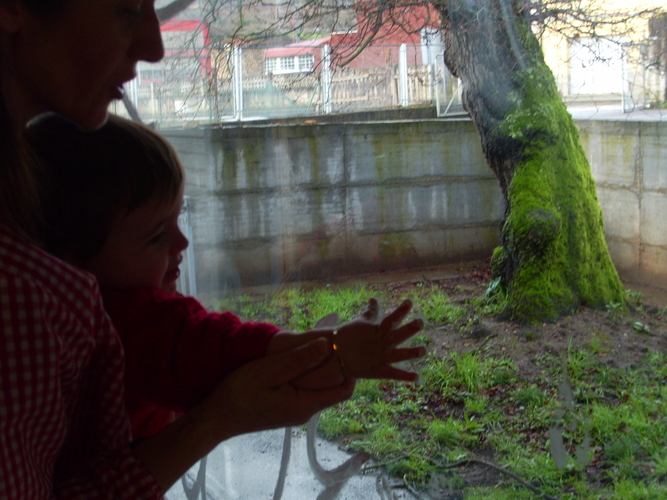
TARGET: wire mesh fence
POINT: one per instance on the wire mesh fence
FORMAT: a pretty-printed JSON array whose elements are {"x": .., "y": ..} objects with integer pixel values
[
  {"x": 259, "y": 82},
  {"x": 306, "y": 78}
]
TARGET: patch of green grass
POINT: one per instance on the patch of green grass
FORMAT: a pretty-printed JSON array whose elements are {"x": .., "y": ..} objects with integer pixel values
[
  {"x": 638, "y": 490},
  {"x": 634, "y": 298},
  {"x": 626, "y": 423},
  {"x": 465, "y": 374},
  {"x": 476, "y": 404},
  {"x": 599, "y": 343},
  {"x": 493, "y": 302},
  {"x": 248, "y": 307},
  {"x": 453, "y": 432},
  {"x": 421, "y": 339},
  {"x": 530, "y": 395},
  {"x": 437, "y": 308},
  {"x": 640, "y": 327}
]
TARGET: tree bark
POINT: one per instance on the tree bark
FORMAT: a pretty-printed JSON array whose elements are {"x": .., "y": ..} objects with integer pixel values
[{"x": 554, "y": 257}]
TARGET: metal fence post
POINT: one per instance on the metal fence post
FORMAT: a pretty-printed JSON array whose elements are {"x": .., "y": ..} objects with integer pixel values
[
  {"x": 188, "y": 287},
  {"x": 237, "y": 82},
  {"x": 403, "y": 94},
  {"x": 325, "y": 75}
]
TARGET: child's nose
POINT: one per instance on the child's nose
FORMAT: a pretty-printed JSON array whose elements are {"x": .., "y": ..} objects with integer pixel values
[{"x": 180, "y": 242}]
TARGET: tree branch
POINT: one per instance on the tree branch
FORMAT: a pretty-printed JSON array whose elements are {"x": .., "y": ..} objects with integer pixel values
[{"x": 172, "y": 10}]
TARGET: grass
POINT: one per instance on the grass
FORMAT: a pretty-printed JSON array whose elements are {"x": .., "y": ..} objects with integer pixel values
[{"x": 612, "y": 422}]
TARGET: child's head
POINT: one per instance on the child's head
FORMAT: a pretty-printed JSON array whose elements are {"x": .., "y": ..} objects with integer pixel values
[{"x": 112, "y": 200}]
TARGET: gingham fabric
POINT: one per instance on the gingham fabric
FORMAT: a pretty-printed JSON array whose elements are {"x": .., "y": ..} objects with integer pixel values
[{"x": 63, "y": 428}]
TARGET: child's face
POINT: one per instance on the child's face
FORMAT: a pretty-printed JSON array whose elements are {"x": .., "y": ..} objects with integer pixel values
[{"x": 143, "y": 249}]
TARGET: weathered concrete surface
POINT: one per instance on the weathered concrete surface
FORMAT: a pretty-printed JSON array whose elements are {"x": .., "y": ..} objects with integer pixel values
[
  {"x": 300, "y": 201},
  {"x": 305, "y": 201},
  {"x": 629, "y": 163}
]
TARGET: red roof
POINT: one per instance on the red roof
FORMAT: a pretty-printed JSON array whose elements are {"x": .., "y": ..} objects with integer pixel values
[{"x": 297, "y": 48}]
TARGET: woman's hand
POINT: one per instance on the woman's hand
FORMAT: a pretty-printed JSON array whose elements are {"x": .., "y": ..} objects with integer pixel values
[{"x": 259, "y": 395}]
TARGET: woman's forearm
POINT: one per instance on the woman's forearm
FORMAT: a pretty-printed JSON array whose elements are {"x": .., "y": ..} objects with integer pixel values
[
  {"x": 258, "y": 396},
  {"x": 170, "y": 453},
  {"x": 285, "y": 340}
]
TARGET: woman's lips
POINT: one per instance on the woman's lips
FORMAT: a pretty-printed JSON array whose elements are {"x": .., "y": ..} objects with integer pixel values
[{"x": 118, "y": 92}]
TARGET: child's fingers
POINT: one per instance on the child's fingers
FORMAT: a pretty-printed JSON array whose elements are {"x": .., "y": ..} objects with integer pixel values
[
  {"x": 330, "y": 320},
  {"x": 391, "y": 372},
  {"x": 394, "y": 318},
  {"x": 372, "y": 311},
  {"x": 403, "y": 333},
  {"x": 403, "y": 354}
]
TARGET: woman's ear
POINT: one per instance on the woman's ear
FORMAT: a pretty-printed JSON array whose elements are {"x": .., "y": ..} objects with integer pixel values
[{"x": 11, "y": 15}]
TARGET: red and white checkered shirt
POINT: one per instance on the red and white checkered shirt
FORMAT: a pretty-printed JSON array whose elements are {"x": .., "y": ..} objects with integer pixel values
[{"x": 63, "y": 428}]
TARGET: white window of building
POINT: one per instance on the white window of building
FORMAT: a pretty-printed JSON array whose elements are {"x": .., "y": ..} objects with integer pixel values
[
  {"x": 290, "y": 64},
  {"x": 305, "y": 62}
]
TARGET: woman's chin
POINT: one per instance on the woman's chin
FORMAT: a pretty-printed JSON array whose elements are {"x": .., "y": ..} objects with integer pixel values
[{"x": 93, "y": 121}]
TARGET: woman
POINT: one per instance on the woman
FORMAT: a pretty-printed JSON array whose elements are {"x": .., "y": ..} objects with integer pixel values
[{"x": 63, "y": 431}]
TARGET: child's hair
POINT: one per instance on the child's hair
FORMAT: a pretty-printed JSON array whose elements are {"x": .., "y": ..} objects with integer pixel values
[{"x": 95, "y": 177}]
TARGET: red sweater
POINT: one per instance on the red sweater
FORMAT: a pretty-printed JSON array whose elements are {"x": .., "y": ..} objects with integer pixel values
[{"x": 176, "y": 351}]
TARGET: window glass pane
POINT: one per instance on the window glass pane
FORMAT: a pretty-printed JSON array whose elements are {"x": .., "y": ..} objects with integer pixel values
[
  {"x": 269, "y": 212},
  {"x": 287, "y": 63},
  {"x": 305, "y": 62}
]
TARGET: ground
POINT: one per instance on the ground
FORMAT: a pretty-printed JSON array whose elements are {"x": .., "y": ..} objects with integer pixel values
[
  {"x": 626, "y": 338},
  {"x": 620, "y": 338}
]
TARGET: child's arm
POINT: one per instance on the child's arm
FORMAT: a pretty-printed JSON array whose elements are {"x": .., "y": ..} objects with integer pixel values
[{"x": 363, "y": 349}]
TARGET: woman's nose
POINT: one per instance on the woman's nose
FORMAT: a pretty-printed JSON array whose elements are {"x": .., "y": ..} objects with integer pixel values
[{"x": 147, "y": 44}]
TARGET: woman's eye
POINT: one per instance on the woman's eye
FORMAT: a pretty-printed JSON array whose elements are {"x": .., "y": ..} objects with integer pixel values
[{"x": 132, "y": 12}]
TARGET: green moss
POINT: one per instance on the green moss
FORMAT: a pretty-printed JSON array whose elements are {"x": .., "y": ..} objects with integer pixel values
[
  {"x": 251, "y": 163},
  {"x": 397, "y": 246},
  {"x": 498, "y": 262},
  {"x": 315, "y": 161},
  {"x": 228, "y": 171},
  {"x": 555, "y": 257}
]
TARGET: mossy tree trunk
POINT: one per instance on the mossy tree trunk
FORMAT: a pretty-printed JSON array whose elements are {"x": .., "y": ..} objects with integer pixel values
[{"x": 554, "y": 257}]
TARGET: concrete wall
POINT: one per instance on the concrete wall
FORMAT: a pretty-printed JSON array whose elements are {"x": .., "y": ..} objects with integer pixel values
[
  {"x": 629, "y": 164},
  {"x": 270, "y": 204},
  {"x": 296, "y": 201}
]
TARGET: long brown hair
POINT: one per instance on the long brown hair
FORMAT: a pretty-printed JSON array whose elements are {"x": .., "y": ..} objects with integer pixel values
[
  {"x": 20, "y": 176},
  {"x": 20, "y": 209}
]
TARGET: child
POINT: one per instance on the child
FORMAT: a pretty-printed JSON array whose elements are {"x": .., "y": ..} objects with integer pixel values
[{"x": 112, "y": 201}]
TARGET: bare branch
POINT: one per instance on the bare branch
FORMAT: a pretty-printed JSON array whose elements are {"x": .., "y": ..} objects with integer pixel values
[{"x": 172, "y": 10}]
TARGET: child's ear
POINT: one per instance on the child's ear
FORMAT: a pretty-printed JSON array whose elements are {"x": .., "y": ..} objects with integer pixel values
[{"x": 12, "y": 13}]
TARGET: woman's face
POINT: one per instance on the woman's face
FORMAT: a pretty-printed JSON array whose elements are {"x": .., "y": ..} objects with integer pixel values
[{"x": 75, "y": 62}]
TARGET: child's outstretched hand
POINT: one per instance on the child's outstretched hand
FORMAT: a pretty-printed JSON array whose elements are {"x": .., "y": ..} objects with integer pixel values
[{"x": 367, "y": 349}]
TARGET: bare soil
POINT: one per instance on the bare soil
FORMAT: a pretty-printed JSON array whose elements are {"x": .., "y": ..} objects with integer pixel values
[{"x": 622, "y": 337}]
